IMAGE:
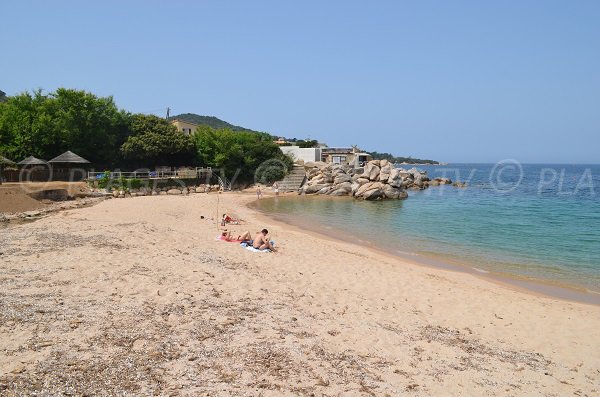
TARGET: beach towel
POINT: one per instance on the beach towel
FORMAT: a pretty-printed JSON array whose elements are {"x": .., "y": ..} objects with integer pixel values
[{"x": 249, "y": 247}]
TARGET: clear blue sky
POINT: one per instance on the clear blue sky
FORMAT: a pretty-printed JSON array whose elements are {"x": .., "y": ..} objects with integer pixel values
[{"x": 455, "y": 81}]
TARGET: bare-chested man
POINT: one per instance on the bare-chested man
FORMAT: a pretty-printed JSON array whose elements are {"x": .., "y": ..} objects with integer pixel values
[{"x": 262, "y": 241}]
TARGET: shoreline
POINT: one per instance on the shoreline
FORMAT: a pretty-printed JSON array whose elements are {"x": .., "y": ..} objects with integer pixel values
[{"x": 538, "y": 287}]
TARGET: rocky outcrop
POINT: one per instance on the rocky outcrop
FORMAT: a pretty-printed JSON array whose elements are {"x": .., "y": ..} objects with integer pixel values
[{"x": 377, "y": 180}]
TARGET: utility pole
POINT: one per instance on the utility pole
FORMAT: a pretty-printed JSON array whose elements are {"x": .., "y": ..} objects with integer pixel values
[{"x": 168, "y": 112}]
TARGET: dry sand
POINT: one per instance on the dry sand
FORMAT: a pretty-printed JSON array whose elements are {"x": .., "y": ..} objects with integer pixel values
[
  {"x": 16, "y": 197},
  {"x": 135, "y": 297}
]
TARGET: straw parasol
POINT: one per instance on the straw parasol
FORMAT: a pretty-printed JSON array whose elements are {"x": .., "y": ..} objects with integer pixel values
[
  {"x": 31, "y": 161},
  {"x": 68, "y": 157},
  {"x": 4, "y": 161}
]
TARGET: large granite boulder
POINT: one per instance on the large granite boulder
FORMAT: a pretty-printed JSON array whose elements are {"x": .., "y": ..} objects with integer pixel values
[
  {"x": 346, "y": 186},
  {"x": 316, "y": 164},
  {"x": 314, "y": 188},
  {"x": 391, "y": 192},
  {"x": 385, "y": 172},
  {"x": 373, "y": 194},
  {"x": 342, "y": 177},
  {"x": 371, "y": 171}
]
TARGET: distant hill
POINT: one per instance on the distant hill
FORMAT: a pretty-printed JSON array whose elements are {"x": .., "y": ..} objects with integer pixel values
[
  {"x": 210, "y": 121},
  {"x": 401, "y": 160}
]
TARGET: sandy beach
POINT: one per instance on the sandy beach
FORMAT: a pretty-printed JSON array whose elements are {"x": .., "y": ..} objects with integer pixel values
[{"x": 137, "y": 297}]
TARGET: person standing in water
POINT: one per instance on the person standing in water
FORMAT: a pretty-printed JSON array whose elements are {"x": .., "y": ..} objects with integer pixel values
[
  {"x": 258, "y": 192},
  {"x": 276, "y": 189}
]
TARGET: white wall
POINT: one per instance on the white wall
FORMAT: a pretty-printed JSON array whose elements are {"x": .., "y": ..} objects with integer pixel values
[{"x": 298, "y": 153}]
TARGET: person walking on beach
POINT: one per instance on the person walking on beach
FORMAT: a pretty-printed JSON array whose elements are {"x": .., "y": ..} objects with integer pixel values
[{"x": 258, "y": 192}]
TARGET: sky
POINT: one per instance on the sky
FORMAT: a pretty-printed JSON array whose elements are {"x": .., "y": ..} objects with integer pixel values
[{"x": 454, "y": 81}]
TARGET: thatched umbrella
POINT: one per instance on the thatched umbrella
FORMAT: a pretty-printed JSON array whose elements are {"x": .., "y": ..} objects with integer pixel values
[
  {"x": 68, "y": 157},
  {"x": 31, "y": 161},
  {"x": 4, "y": 161},
  {"x": 66, "y": 162}
]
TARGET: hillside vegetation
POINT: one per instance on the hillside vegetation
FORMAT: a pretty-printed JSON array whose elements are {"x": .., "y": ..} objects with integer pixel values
[{"x": 210, "y": 121}]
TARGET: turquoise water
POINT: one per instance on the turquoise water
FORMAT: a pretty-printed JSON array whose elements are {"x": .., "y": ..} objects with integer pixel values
[{"x": 539, "y": 222}]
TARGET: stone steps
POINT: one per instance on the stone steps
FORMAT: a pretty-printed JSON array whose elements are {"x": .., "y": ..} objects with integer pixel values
[{"x": 293, "y": 181}]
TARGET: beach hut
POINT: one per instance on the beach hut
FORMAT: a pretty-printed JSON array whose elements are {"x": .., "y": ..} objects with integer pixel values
[
  {"x": 31, "y": 161},
  {"x": 4, "y": 162},
  {"x": 68, "y": 158},
  {"x": 67, "y": 163},
  {"x": 33, "y": 170}
]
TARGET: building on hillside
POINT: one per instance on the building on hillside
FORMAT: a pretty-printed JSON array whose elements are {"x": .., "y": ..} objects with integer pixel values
[
  {"x": 345, "y": 156},
  {"x": 185, "y": 127},
  {"x": 305, "y": 154},
  {"x": 281, "y": 141}
]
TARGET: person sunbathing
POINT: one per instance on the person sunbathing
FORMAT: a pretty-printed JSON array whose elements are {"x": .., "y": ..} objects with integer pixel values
[
  {"x": 262, "y": 241},
  {"x": 227, "y": 219},
  {"x": 242, "y": 238}
]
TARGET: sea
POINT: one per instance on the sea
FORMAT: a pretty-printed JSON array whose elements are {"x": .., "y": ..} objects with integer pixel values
[{"x": 537, "y": 223}]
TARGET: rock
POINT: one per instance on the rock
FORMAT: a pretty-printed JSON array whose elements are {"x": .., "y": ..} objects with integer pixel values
[
  {"x": 115, "y": 193},
  {"x": 418, "y": 180},
  {"x": 373, "y": 194},
  {"x": 341, "y": 178},
  {"x": 173, "y": 192},
  {"x": 339, "y": 192},
  {"x": 383, "y": 163},
  {"x": 325, "y": 190},
  {"x": 199, "y": 189},
  {"x": 375, "y": 162},
  {"x": 371, "y": 171},
  {"x": 368, "y": 186},
  {"x": 395, "y": 180},
  {"x": 346, "y": 186},
  {"x": 459, "y": 184},
  {"x": 313, "y": 173},
  {"x": 385, "y": 172},
  {"x": 314, "y": 164},
  {"x": 31, "y": 214},
  {"x": 443, "y": 181},
  {"x": 162, "y": 193},
  {"x": 391, "y": 192},
  {"x": 318, "y": 179},
  {"x": 362, "y": 181},
  {"x": 312, "y": 189}
]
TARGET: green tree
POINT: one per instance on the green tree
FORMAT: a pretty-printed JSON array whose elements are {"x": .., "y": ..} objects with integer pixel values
[
  {"x": 241, "y": 154},
  {"x": 307, "y": 143},
  {"x": 154, "y": 141},
  {"x": 36, "y": 124}
]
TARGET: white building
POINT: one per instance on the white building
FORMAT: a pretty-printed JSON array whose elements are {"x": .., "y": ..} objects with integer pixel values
[{"x": 304, "y": 154}]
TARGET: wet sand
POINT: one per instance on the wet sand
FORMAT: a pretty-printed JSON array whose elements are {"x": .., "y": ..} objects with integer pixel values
[{"x": 135, "y": 296}]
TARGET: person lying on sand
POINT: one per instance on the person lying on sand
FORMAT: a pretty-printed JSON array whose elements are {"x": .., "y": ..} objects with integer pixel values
[
  {"x": 227, "y": 219},
  {"x": 262, "y": 241},
  {"x": 243, "y": 238}
]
